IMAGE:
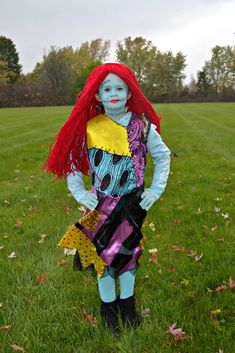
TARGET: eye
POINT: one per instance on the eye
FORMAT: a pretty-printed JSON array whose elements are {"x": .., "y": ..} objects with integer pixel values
[
  {"x": 120, "y": 88},
  {"x": 107, "y": 89}
]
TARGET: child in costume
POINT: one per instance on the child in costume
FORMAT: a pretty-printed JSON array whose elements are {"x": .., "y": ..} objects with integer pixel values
[{"x": 108, "y": 133}]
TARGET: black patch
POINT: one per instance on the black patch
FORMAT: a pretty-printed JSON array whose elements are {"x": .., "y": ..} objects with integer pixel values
[
  {"x": 116, "y": 159},
  {"x": 123, "y": 178},
  {"x": 105, "y": 182},
  {"x": 98, "y": 157},
  {"x": 127, "y": 208}
]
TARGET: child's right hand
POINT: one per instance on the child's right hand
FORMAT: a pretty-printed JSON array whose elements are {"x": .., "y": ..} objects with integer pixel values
[{"x": 89, "y": 200}]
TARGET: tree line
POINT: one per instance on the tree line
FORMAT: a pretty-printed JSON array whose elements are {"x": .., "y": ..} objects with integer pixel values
[{"x": 62, "y": 73}]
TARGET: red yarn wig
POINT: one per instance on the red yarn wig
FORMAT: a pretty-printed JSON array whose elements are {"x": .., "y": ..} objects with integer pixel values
[{"x": 69, "y": 147}]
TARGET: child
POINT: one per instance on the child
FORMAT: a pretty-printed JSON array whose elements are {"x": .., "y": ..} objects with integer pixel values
[{"x": 109, "y": 132}]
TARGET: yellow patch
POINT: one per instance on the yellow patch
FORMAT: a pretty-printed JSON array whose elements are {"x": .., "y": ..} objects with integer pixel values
[
  {"x": 103, "y": 133},
  {"x": 90, "y": 220},
  {"x": 75, "y": 238}
]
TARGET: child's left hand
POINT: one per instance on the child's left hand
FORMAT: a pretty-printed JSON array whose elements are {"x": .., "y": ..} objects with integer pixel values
[{"x": 148, "y": 199}]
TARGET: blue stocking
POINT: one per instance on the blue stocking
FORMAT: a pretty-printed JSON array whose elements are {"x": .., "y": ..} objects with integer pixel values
[
  {"x": 127, "y": 284},
  {"x": 106, "y": 285}
]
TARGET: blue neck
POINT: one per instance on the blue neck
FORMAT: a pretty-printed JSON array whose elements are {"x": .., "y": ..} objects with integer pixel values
[{"x": 115, "y": 114}]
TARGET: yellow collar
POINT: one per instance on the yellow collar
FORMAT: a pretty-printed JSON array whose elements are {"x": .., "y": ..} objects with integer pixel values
[{"x": 105, "y": 134}]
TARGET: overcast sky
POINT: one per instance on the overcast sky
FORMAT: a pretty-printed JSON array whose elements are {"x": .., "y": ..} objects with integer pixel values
[{"x": 192, "y": 27}]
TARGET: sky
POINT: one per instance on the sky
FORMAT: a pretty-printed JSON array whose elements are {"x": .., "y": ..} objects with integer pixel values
[{"x": 192, "y": 27}]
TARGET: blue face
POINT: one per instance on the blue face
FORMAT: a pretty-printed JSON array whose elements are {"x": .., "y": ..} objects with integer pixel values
[{"x": 113, "y": 93}]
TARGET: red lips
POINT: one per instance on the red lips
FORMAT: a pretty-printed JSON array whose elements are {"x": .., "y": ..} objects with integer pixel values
[{"x": 114, "y": 100}]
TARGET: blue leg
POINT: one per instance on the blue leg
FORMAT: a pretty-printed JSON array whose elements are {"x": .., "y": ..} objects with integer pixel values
[
  {"x": 127, "y": 284},
  {"x": 106, "y": 285}
]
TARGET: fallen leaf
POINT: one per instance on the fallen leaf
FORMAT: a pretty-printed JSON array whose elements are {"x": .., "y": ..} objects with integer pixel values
[
  {"x": 176, "y": 221},
  {"x": 153, "y": 258},
  {"x": 41, "y": 278},
  {"x": 178, "y": 248},
  {"x": 145, "y": 312},
  {"x": 209, "y": 210},
  {"x": 199, "y": 211},
  {"x": 42, "y": 236},
  {"x": 214, "y": 313},
  {"x": 221, "y": 351},
  {"x": 1, "y": 305},
  {"x": 5, "y": 328},
  {"x": 17, "y": 348},
  {"x": 18, "y": 223},
  {"x": 66, "y": 209},
  {"x": 192, "y": 253},
  {"x": 177, "y": 333},
  {"x": 152, "y": 226},
  {"x": 218, "y": 199},
  {"x": 184, "y": 282},
  {"x": 171, "y": 269},
  {"x": 6, "y": 202},
  {"x": 153, "y": 251},
  {"x": 32, "y": 208},
  {"x": 17, "y": 171},
  {"x": 217, "y": 209},
  {"x": 231, "y": 283},
  {"x": 198, "y": 257},
  {"x": 81, "y": 208},
  {"x": 225, "y": 216},
  {"x": 35, "y": 196},
  {"x": 68, "y": 252},
  {"x": 61, "y": 262},
  {"x": 12, "y": 255},
  {"x": 1, "y": 247},
  {"x": 69, "y": 195},
  {"x": 220, "y": 288},
  {"x": 92, "y": 321},
  {"x": 214, "y": 229},
  {"x": 209, "y": 290},
  {"x": 221, "y": 239}
]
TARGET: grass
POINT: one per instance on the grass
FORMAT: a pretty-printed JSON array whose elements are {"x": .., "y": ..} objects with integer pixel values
[{"x": 47, "y": 317}]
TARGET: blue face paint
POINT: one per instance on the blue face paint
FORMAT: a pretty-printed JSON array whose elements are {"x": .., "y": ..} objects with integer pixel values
[{"x": 113, "y": 93}]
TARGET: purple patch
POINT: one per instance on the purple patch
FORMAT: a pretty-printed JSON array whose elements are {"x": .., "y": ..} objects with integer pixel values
[{"x": 138, "y": 147}]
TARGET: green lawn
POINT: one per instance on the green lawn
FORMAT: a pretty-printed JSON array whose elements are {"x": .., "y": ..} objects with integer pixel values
[{"x": 196, "y": 213}]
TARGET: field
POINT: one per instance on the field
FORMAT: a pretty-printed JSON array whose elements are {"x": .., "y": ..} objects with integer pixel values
[{"x": 46, "y": 307}]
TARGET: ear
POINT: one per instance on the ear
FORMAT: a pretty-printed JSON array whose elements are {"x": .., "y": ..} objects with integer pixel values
[
  {"x": 97, "y": 97},
  {"x": 129, "y": 95}
]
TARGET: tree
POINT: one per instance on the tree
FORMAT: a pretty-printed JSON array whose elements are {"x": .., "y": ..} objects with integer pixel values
[
  {"x": 90, "y": 52},
  {"x": 202, "y": 83},
  {"x": 81, "y": 79},
  {"x": 165, "y": 77},
  {"x": 138, "y": 54},
  {"x": 159, "y": 74},
  {"x": 55, "y": 75},
  {"x": 9, "y": 58},
  {"x": 220, "y": 70}
]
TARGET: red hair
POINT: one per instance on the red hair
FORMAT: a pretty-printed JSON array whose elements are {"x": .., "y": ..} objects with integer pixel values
[{"x": 69, "y": 147}]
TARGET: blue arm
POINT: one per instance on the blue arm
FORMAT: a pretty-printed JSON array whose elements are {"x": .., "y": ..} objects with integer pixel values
[
  {"x": 77, "y": 188},
  {"x": 161, "y": 160}
]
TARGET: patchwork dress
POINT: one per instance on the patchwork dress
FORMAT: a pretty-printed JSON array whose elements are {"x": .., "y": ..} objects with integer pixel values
[{"x": 111, "y": 234}]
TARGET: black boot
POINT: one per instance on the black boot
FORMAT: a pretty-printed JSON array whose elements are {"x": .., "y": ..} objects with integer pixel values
[
  {"x": 109, "y": 313},
  {"x": 128, "y": 312}
]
